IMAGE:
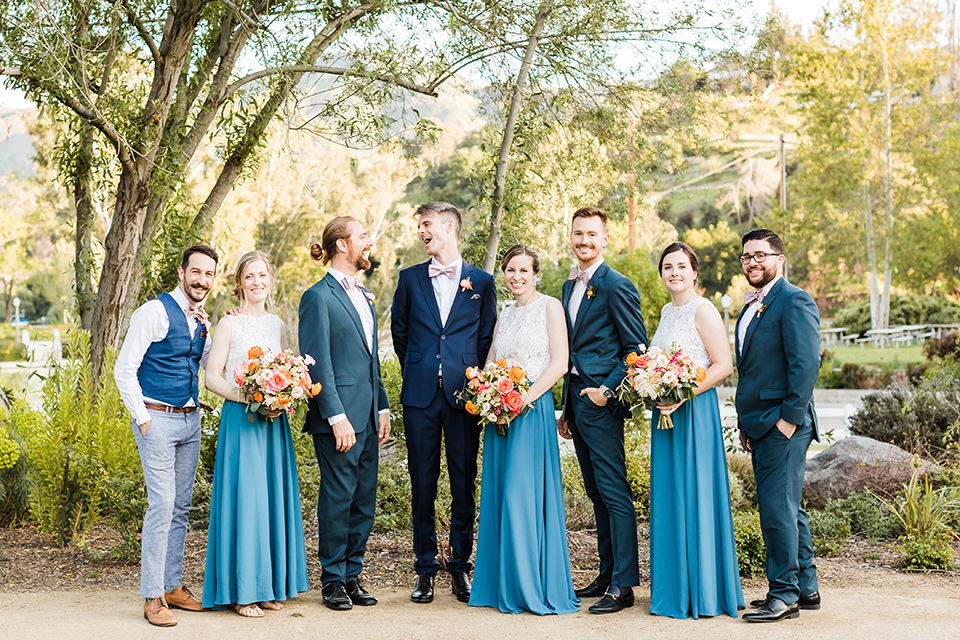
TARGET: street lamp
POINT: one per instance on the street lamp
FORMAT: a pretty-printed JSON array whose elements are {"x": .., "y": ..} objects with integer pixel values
[
  {"x": 16, "y": 316},
  {"x": 725, "y": 302}
]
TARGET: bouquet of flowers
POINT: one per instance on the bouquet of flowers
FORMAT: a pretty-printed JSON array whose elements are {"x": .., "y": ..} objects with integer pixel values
[
  {"x": 275, "y": 382},
  {"x": 497, "y": 393},
  {"x": 657, "y": 376}
]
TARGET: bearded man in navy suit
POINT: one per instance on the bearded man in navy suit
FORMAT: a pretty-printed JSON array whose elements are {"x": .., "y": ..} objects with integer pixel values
[
  {"x": 444, "y": 312},
  {"x": 778, "y": 361}
]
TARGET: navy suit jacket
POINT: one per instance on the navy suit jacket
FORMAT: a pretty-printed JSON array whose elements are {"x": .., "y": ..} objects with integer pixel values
[
  {"x": 609, "y": 326},
  {"x": 778, "y": 362},
  {"x": 422, "y": 343},
  {"x": 330, "y": 331}
]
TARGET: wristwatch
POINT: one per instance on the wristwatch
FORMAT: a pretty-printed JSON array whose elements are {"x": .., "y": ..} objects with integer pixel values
[{"x": 607, "y": 393}]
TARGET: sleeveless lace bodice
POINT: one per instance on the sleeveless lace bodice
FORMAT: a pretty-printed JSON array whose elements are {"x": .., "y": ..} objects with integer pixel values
[
  {"x": 250, "y": 331},
  {"x": 677, "y": 324},
  {"x": 522, "y": 337}
]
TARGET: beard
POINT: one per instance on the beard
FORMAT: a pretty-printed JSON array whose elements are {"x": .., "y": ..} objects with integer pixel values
[{"x": 361, "y": 263}]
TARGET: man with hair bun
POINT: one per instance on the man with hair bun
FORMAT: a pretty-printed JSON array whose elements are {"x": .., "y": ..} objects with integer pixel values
[{"x": 350, "y": 417}]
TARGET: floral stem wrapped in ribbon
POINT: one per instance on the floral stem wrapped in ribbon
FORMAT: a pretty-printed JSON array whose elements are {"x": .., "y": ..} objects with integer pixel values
[
  {"x": 657, "y": 376},
  {"x": 275, "y": 382},
  {"x": 497, "y": 393}
]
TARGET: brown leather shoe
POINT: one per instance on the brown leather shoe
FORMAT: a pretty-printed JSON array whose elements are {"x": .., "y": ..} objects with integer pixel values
[
  {"x": 158, "y": 613},
  {"x": 181, "y": 598}
]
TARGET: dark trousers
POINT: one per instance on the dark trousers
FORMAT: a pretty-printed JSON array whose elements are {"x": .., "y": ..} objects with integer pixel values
[
  {"x": 778, "y": 465},
  {"x": 425, "y": 428},
  {"x": 346, "y": 503},
  {"x": 598, "y": 440}
]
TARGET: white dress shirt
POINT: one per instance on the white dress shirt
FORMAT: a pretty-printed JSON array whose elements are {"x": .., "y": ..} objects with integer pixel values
[
  {"x": 148, "y": 324},
  {"x": 751, "y": 312},
  {"x": 362, "y": 305},
  {"x": 576, "y": 299},
  {"x": 445, "y": 288}
]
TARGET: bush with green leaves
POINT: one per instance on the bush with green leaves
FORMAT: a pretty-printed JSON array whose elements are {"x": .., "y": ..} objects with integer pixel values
[
  {"x": 903, "y": 310},
  {"x": 866, "y": 515},
  {"x": 79, "y": 438},
  {"x": 909, "y": 418},
  {"x": 743, "y": 485},
  {"x": 923, "y": 553},
  {"x": 751, "y": 551},
  {"x": 943, "y": 347},
  {"x": 636, "y": 444},
  {"x": 828, "y": 531},
  {"x": 14, "y": 481}
]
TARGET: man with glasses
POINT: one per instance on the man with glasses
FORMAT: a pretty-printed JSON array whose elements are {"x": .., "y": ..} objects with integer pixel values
[{"x": 778, "y": 361}]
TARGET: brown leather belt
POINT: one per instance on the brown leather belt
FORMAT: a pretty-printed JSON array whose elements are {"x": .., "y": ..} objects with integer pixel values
[{"x": 167, "y": 408}]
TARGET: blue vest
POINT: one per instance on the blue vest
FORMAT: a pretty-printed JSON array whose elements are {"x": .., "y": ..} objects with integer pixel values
[{"x": 169, "y": 369}]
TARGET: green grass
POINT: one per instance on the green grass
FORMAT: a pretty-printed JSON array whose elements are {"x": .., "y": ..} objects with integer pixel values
[{"x": 872, "y": 355}]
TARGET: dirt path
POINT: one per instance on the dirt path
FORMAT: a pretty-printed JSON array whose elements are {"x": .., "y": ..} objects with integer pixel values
[{"x": 912, "y": 607}]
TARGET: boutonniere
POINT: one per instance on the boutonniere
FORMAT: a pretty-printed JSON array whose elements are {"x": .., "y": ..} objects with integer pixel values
[
  {"x": 763, "y": 306},
  {"x": 369, "y": 295},
  {"x": 591, "y": 291},
  {"x": 466, "y": 285}
]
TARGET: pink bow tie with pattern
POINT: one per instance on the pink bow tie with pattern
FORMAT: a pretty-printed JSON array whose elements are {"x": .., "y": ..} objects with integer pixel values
[
  {"x": 435, "y": 270},
  {"x": 576, "y": 274},
  {"x": 197, "y": 312},
  {"x": 752, "y": 296},
  {"x": 351, "y": 283}
]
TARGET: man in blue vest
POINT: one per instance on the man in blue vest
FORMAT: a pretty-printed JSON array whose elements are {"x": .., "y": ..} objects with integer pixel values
[
  {"x": 778, "y": 360},
  {"x": 156, "y": 373}
]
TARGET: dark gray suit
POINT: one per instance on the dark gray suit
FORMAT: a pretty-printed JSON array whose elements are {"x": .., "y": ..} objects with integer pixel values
[{"x": 331, "y": 332}]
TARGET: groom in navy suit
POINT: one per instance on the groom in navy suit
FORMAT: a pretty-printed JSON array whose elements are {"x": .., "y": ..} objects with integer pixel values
[
  {"x": 444, "y": 312},
  {"x": 778, "y": 361},
  {"x": 605, "y": 324},
  {"x": 350, "y": 417}
]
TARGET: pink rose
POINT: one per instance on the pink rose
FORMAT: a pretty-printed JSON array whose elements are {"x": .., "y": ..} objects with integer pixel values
[
  {"x": 513, "y": 401},
  {"x": 276, "y": 381},
  {"x": 238, "y": 372},
  {"x": 504, "y": 385}
]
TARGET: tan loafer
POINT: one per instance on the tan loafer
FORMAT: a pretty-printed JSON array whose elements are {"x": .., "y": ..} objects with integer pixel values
[
  {"x": 158, "y": 613},
  {"x": 181, "y": 598}
]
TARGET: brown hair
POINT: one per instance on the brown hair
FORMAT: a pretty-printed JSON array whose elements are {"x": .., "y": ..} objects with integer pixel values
[
  {"x": 590, "y": 212},
  {"x": 335, "y": 230},
  {"x": 440, "y": 210},
  {"x": 685, "y": 248},
  {"x": 764, "y": 234},
  {"x": 201, "y": 249},
  {"x": 520, "y": 250},
  {"x": 242, "y": 264}
]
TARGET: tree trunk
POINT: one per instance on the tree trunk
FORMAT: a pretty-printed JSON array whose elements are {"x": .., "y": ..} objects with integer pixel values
[
  {"x": 83, "y": 264},
  {"x": 871, "y": 257},
  {"x": 509, "y": 129},
  {"x": 884, "y": 315}
]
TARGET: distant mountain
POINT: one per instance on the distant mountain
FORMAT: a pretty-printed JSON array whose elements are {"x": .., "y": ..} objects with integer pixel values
[{"x": 16, "y": 147}]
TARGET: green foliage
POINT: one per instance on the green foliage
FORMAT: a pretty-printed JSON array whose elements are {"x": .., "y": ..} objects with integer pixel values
[
  {"x": 828, "y": 530},
  {"x": 15, "y": 483},
  {"x": 577, "y": 504},
  {"x": 908, "y": 417},
  {"x": 636, "y": 444},
  {"x": 751, "y": 551},
  {"x": 743, "y": 486},
  {"x": 393, "y": 382},
  {"x": 865, "y": 515},
  {"x": 903, "y": 310},
  {"x": 718, "y": 251},
  {"x": 79, "y": 438},
  {"x": 924, "y": 512},
  {"x": 643, "y": 272},
  {"x": 942, "y": 347},
  {"x": 923, "y": 553},
  {"x": 14, "y": 352},
  {"x": 394, "y": 500}
]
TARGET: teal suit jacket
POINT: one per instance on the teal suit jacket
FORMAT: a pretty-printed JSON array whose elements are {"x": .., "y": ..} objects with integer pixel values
[
  {"x": 330, "y": 331},
  {"x": 779, "y": 362}
]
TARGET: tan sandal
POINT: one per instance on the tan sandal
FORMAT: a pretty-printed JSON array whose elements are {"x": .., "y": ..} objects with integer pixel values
[
  {"x": 271, "y": 605},
  {"x": 248, "y": 610}
]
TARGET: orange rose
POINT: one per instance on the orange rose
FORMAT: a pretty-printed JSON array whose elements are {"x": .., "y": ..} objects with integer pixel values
[
  {"x": 255, "y": 352},
  {"x": 252, "y": 366},
  {"x": 471, "y": 408},
  {"x": 315, "y": 389},
  {"x": 258, "y": 397},
  {"x": 517, "y": 375},
  {"x": 283, "y": 401},
  {"x": 632, "y": 358},
  {"x": 501, "y": 363},
  {"x": 701, "y": 374},
  {"x": 472, "y": 372}
]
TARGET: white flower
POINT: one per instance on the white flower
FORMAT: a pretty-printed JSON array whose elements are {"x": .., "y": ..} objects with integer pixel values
[{"x": 670, "y": 378}]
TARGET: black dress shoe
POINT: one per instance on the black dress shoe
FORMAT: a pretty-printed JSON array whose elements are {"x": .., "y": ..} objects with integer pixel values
[
  {"x": 593, "y": 590},
  {"x": 358, "y": 595},
  {"x": 811, "y": 601},
  {"x": 773, "y": 610},
  {"x": 461, "y": 585},
  {"x": 423, "y": 592},
  {"x": 335, "y": 597},
  {"x": 615, "y": 599}
]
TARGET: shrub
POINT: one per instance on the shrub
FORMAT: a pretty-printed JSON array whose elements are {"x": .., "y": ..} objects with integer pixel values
[
  {"x": 924, "y": 512},
  {"x": 908, "y": 418},
  {"x": 14, "y": 481},
  {"x": 394, "y": 500},
  {"x": 941, "y": 347},
  {"x": 636, "y": 443},
  {"x": 903, "y": 310},
  {"x": 866, "y": 515},
  {"x": 926, "y": 552},
  {"x": 751, "y": 552},
  {"x": 393, "y": 381},
  {"x": 740, "y": 470},
  {"x": 578, "y": 506},
  {"x": 828, "y": 530}
]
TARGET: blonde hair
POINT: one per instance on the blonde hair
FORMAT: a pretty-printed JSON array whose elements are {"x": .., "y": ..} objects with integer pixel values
[
  {"x": 242, "y": 264},
  {"x": 336, "y": 229}
]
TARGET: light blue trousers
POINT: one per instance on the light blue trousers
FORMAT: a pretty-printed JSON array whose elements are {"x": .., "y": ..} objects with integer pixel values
[{"x": 169, "y": 454}]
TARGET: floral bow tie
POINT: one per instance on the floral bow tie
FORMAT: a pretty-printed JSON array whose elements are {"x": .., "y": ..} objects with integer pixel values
[
  {"x": 752, "y": 296},
  {"x": 351, "y": 283},
  {"x": 198, "y": 313},
  {"x": 576, "y": 274},
  {"x": 435, "y": 270}
]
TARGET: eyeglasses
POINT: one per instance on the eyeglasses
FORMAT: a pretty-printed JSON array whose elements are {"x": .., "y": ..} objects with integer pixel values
[{"x": 759, "y": 257}]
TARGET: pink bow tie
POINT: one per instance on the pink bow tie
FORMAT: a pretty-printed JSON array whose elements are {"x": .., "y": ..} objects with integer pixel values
[
  {"x": 198, "y": 313},
  {"x": 351, "y": 283},
  {"x": 576, "y": 274},
  {"x": 752, "y": 296},
  {"x": 435, "y": 270}
]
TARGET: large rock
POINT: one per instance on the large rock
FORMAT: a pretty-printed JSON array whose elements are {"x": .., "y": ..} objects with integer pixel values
[{"x": 856, "y": 463}]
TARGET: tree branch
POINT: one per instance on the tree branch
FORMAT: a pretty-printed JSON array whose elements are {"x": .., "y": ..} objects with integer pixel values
[
  {"x": 142, "y": 31},
  {"x": 337, "y": 71},
  {"x": 249, "y": 22}
]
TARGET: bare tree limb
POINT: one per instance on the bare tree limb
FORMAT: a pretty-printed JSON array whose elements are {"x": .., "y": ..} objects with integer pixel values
[
  {"x": 141, "y": 28},
  {"x": 429, "y": 90}
]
